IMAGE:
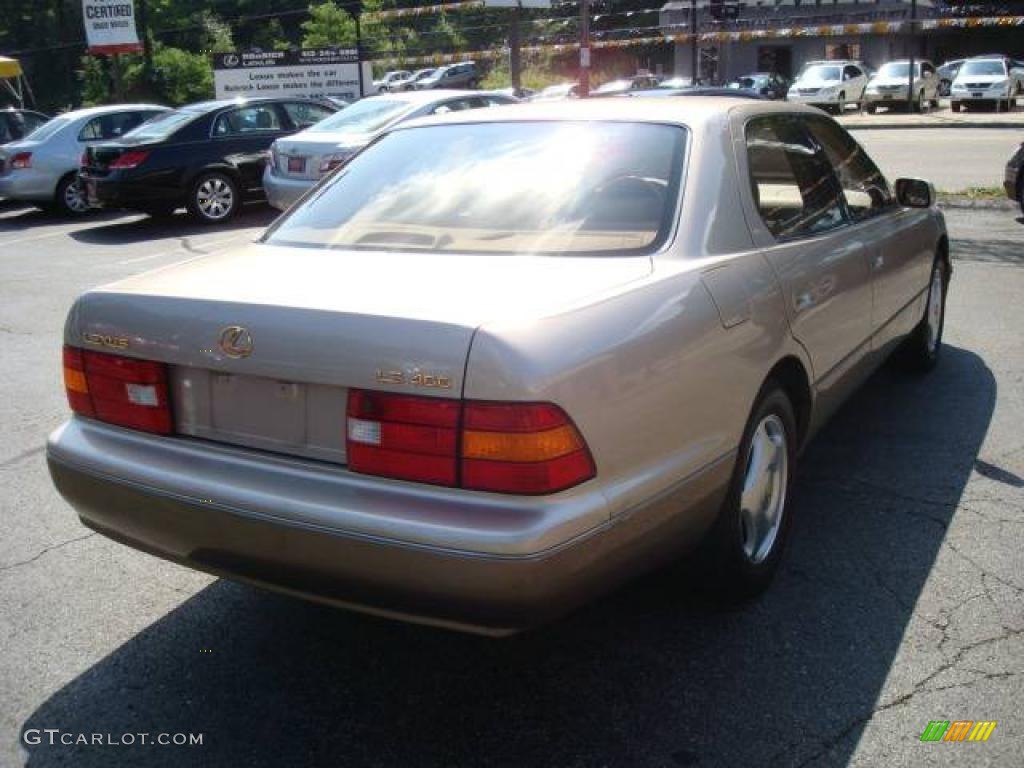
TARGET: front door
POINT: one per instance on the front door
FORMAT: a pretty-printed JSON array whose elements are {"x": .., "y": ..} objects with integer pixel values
[{"x": 824, "y": 273}]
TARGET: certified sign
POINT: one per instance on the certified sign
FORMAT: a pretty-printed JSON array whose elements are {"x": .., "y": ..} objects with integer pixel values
[{"x": 110, "y": 26}]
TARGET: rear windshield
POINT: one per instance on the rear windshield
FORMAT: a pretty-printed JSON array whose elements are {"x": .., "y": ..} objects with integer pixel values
[
  {"x": 163, "y": 125},
  {"x": 983, "y": 68},
  {"x": 365, "y": 116},
  {"x": 46, "y": 130},
  {"x": 547, "y": 188}
]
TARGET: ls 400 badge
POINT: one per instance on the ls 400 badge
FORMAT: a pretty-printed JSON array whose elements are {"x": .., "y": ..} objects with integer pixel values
[{"x": 414, "y": 379}]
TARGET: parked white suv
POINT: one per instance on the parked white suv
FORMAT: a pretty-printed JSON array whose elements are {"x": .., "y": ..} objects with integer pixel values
[
  {"x": 889, "y": 86},
  {"x": 830, "y": 85},
  {"x": 990, "y": 80}
]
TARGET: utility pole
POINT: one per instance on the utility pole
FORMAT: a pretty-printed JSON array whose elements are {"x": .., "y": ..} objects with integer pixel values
[
  {"x": 514, "y": 59},
  {"x": 147, "y": 47},
  {"x": 693, "y": 42},
  {"x": 913, "y": 45},
  {"x": 359, "y": 50},
  {"x": 584, "y": 48}
]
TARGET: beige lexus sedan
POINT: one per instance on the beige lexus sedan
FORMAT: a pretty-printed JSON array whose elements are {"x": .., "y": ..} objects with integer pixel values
[{"x": 504, "y": 359}]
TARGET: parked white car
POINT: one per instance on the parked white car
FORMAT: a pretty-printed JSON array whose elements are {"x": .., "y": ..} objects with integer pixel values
[
  {"x": 989, "y": 80},
  {"x": 42, "y": 168},
  {"x": 390, "y": 78},
  {"x": 830, "y": 85},
  {"x": 889, "y": 86}
]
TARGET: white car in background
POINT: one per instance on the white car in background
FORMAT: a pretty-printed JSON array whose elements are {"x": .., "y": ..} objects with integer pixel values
[
  {"x": 889, "y": 86},
  {"x": 390, "y": 78},
  {"x": 830, "y": 85},
  {"x": 989, "y": 80}
]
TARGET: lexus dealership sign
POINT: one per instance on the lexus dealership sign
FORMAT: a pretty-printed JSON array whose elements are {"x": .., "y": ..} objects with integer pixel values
[
  {"x": 315, "y": 73},
  {"x": 110, "y": 26}
]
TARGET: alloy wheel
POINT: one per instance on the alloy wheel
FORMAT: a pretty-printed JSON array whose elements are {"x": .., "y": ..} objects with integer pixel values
[
  {"x": 763, "y": 494},
  {"x": 215, "y": 198}
]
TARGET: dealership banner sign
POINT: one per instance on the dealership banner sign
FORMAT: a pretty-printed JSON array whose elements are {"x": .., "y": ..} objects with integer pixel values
[
  {"x": 315, "y": 73},
  {"x": 110, "y": 26}
]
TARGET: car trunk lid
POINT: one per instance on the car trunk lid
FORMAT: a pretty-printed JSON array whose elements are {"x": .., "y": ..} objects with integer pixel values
[{"x": 263, "y": 344}]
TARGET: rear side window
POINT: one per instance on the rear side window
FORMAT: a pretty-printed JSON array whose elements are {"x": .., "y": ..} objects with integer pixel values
[
  {"x": 247, "y": 120},
  {"x": 865, "y": 188},
  {"x": 793, "y": 185},
  {"x": 112, "y": 126}
]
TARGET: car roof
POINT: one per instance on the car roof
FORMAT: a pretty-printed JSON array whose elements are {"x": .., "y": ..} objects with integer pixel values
[
  {"x": 212, "y": 104},
  {"x": 424, "y": 97},
  {"x": 110, "y": 108},
  {"x": 689, "y": 112}
]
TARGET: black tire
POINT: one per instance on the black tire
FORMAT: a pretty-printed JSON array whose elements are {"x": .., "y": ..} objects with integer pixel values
[
  {"x": 1020, "y": 193},
  {"x": 871, "y": 109},
  {"x": 735, "y": 576},
  {"x": 919, "y": 353},
  {"x": 955, "y": 106},
  {"x": 69, "y": 199},
  {"x": 214, "y": 198}
]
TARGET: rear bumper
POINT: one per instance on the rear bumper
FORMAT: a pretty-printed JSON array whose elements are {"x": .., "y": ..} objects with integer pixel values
[
  {"x": 499, "y": 575},
  {"x": 283, "y": 192},
  {"x": 127, "y": 193},
  {"x": 28, "y": 184},
  {"x": 886, "y": 97}
]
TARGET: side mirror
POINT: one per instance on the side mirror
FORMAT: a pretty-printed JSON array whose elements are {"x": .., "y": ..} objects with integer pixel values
[{"x": 914, "y": 193}]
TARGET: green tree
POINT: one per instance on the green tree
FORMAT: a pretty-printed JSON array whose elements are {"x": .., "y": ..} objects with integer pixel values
[{"x": 328, "y": 25}]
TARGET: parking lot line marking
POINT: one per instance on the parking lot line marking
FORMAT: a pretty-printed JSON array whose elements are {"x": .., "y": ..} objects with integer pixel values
[
  {"x": 32, "y": 239},
  {"x": 181, "y": 249}
]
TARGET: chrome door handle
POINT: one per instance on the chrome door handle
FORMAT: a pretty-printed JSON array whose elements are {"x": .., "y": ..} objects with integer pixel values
[{"x": 878, "y": 261}]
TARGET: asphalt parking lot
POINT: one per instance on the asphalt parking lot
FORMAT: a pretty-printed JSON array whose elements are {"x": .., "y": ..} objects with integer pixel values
[{"x": 901, "y": 600}]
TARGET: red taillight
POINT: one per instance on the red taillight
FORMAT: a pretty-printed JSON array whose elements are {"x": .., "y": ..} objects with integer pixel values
[
  {"x": 411, "y": 438},
  {"x": 22, "y": 160},
  {"x": 118, "y": 390},
  {"x": 130, "y": 159},
  {"x": 523, "y": 448}
]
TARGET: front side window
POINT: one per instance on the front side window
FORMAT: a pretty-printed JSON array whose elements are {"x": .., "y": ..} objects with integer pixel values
[
  {"x": 792, "y": 183},
  {"x": 865, "y": 188},
  {"x": 247, "y": 120},
  {"x": 538, "y": 188}
]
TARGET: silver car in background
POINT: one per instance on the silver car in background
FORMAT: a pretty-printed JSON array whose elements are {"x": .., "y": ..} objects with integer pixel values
[
  {"x": 301, "y": 160},
  {"x": 506, "y": 359},
  {"x": 42, "y": 168},
  {"x": 889, "y": 86}
]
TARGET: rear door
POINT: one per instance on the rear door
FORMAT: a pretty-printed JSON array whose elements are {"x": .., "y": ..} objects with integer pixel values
[
  {"x": 243, "y": 135},
  {"x": 803, "y": 225}
]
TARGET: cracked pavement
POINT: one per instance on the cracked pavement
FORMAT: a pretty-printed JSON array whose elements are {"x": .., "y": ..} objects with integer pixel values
[{"x": 901, "y": 600}]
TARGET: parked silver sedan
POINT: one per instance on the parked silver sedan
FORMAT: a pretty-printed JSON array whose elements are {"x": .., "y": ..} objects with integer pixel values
[
  {"x": 42, "y": 168},
  {"x": 300, "y": 161},
  {"x": 477, "y": 385}
]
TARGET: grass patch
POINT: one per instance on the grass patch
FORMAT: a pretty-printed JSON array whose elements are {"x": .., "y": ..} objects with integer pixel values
[{"x": 976, "y": 193}]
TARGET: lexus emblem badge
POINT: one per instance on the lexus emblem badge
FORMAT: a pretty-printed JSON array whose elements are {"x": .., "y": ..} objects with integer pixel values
[{"x": 236, "y": 341}]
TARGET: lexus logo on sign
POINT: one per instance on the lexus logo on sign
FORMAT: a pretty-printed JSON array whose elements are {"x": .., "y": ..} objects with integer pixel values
[
  {"x": 230, "y": 60},
  {"x": 236, "y": 341}
]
